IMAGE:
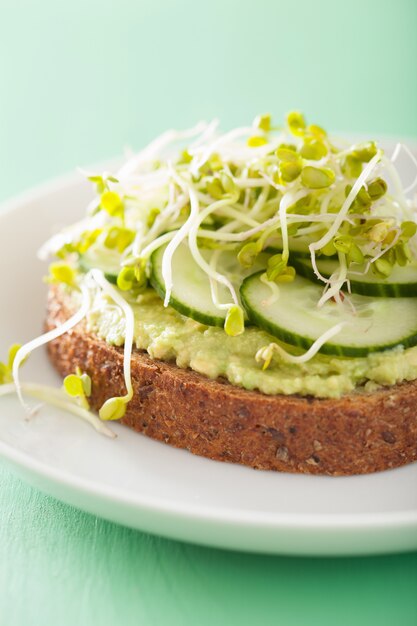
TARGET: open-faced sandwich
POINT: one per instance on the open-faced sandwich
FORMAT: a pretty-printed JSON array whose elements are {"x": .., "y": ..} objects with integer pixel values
[{"x": 249, "y": 296}]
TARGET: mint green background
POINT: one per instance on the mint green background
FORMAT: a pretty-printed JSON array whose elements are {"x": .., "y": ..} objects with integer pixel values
[
  {"x": 81, "y": 79},
  {"x": 78, "y": 81}
]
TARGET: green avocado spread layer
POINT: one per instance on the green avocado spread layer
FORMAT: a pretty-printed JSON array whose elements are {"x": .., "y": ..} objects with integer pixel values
[{"x": 169, "y": 336}]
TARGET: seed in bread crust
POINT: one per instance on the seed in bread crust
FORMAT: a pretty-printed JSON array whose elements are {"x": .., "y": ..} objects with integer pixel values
[
  {"x": 282, "y": 453},
  {"x": 388, "y": 437}
]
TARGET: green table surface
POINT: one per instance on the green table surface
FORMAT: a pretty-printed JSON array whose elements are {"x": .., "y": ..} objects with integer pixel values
[{"x": 79, "y": 81}]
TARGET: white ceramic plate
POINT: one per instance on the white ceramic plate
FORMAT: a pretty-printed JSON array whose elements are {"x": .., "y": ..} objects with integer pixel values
[{"x": 150, "y": 486}]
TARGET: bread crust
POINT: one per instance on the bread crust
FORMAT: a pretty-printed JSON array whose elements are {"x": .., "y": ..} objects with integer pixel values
[{"x": 356, "y": 434}]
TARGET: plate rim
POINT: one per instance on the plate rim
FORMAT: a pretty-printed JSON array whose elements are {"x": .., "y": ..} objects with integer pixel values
[
  {"x": 295, "y": 522},
  {"x": 365, "y": 521}
]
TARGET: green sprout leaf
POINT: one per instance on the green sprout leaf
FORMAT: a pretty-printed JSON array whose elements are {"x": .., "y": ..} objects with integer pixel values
[
  {"x": 256, "y": 141},
  {"x": 351, "y": 166},
  {"x": 313, "y": 150},
  {"x": 278, "y": 271},
  {"x": 402, "y": 254},
  {"x": 290, "y": 170},
  {"x": 60, "y": 272},
  {"x": 365, "y": 151},
  {"x": 248, "y": 253},
  {"x": 355, "y": 254},
  {"x": 234, "y": 324},
  {"x": 287, "y": 153},
  {"x": 316, "y": 131},
  {"x": 112, "y": 203},
  {"x": 378, "y": 232},
  {"x": 113, "y": 409},
  {"x": 329, "y": 249},
  {"x": 276, "y": 265},
  {"x": 377, "y": 188},
  {"x": 6, "y": 369},
  {"x": 296, "y": 123},
  {"x": 215, "y": 188},
  {"x": 263, "y": 122},
  {"x": 87, "y": 239},
  {"x": 78, "y": 386},
  {"x": 4, "y": 374},
  {"x": 382, "y": 267},
  {"x": 73, "y": 386},
  {"x": 119, "y": 237},
  {"x": 152, "y": 215},
  {"x": 185, "y": 158},
  {"x": 362, "y": 201},
  {"x": 133, "y": 277},
  {"x": 408, "y": 230},
  {"x": 99, "y": 183},
  {"x": 317, "y": 177},
  {"x": 126, "y": 278},
  {"x": 221, "y": 186},
  {"x": 287, "y": 275},
  {"x": 343, "y": 243}
]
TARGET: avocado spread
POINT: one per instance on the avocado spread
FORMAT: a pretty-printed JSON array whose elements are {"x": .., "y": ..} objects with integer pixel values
[{"x": 169, "y": 336}]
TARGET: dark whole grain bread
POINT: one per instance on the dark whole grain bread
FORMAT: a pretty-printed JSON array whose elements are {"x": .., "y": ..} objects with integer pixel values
[{"x": 356, "y": 434}]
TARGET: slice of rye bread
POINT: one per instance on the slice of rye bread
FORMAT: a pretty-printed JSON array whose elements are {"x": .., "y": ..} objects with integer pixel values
[{"x": 356, "y": 434}]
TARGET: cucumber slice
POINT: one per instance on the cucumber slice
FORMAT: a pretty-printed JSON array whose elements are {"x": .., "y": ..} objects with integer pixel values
[
  {"x": 402, "y": 283},
  {"x": 191, "y": 293},
  {"x": 378, "y": 324},
  {"x": 108, "y": 263}
]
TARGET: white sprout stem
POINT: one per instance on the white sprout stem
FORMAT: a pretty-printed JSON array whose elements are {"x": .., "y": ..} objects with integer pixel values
[
  {"x": 251, "y": 183},
  {"x": 214, "y": 284},
  {"x": 311, "y": 352},
  {"x": 156, "y": 146},
  {"x": 232, "y": 211},
  {"x": 273, "y": 183},
  {"x": 260, "y": 202},
  {"x": 179, "y": 236},
  {"x": 246, "y": 200},
  {"x": 325, "y": 202},
  {"x": 414, "y": 161},
  {"x": 145, "y": 182},
  {"x": 392, "y": 170},
  {"x": 192, "y": 242},
  {"x": 56, "y": 397},
  {"x": 27, "y": 348},
  {"x": 157, "y": 243},
  {"x": 137, "y": 243},
  {"x": 221, "y": 235},
  {"x": 275, "y": 291},
  {"x": 240, "y": 236},
  {"x": 170, "y": 212},
  {"x": 339, "y": 281},
  {"x": 314, "y": 228},
  {"x": 111, "y": 291},
  {"x": 347, "y": 203},
  {"x": 204, "y": 198},
  {"x": 396, "y": 152},
  {"x": 240, "y": 218},
  {"x": 286, "y": 201},
  {"x": 205, "y": 135},
  {"x": 341, "y": 216},
  {"x": 215, "y": 145}
]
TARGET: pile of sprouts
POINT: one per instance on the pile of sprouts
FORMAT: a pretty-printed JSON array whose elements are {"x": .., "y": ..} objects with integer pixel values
[{"x": 247, "y": 191}]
